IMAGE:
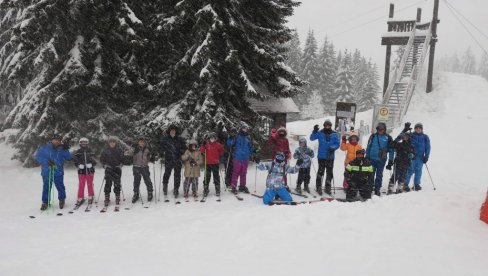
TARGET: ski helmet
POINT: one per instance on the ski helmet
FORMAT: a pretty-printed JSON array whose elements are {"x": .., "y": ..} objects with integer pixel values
[
  {"x": 280, "y": 157},
  {"x": 244, "y": 125},
  {"x": 192, "y": 142},
  {"x": 84, "y": 140},
  {"x": 419, "y": 125},
  {"x": 327, "y": 123}
]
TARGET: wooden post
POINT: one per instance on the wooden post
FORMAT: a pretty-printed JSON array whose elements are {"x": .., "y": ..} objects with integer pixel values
[
  {"x": 435, "y": 21},
  {"x": 419, "y": 14},
  {"x": 388, "y": 54}
]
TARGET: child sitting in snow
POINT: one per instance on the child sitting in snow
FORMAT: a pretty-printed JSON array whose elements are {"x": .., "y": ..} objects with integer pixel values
[
  {"x": 275, "y": 184},
  {"x": 358, "y": 172},
  {"x": 192, "y": 160},
  {"x": 304, "y": 155}
]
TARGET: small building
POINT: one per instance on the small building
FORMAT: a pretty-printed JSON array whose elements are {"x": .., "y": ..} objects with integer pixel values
[{"x": 276, "y": 110}]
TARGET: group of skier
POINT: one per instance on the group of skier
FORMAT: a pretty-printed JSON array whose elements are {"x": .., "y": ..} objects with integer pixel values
[{"x": 363, "y": 170}]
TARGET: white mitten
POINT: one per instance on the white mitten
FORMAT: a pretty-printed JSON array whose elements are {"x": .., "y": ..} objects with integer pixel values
[
  {"x": 89, "y": 165},
  {"x": 81, "y": 166}
]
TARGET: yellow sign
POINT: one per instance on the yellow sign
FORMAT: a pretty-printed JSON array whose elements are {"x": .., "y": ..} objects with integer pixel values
[{"x": 383, "y": 114}]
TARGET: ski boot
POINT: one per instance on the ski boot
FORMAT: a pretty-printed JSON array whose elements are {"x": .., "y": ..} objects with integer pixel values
[
  {"x": 298, "y": 190},
  {"x": 234, "y": 190},
  {"x": 417, "y": 188},
  {"x": 185, "y": 194},
  {"x": 149, "y": 196},
  {"x": 117, "y": 199},
  {"x": 217, "y": 191},
  {"x": 195, "y": 195},
  {"x": 107, "y": 200},
  {"x": 306, "y": 189},
  {"x": 205, "y": 191},
  {"x": 175, "y": 193},
  {"x": 79, "y": 202},
  {"x": 135, "y": 197},
  {"x": 406, "y": 189},
  {"x": 400, "y": 188},
  {"x": 61, "y": 203},
  {"x": 319, "y": 190},
  {"x": 328, "y": 189},
  {"x": 377, "y": 192},
  {"x": 243, "y": 189},
  {"x": 43, "y": 206},
  {"x": 391, "y": 187},
  {"x": 90, "y": 200}
]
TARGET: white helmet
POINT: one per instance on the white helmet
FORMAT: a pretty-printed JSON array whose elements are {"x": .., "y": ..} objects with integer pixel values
[{"x": 83, "y": 140}]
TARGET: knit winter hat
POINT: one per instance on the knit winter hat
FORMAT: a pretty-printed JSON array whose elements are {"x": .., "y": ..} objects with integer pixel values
[
  {"x": 419, "y": 125},
  {"x": 327, "y": 123},
  {"x": 56, "y": 137}
]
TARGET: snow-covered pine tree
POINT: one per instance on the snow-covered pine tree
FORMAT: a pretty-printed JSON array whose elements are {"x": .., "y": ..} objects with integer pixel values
[
  {"x": 294, "y": 52},
  {"x": 79, "y": 69},
  {"x": 468, "y": 62},
  {"x": 344, "y": 79},
  {"x": 371, "y": 89},
  {"x": 483, "y": 66},
  {"x": 224, "y": 52},
  {"x": 309, "y": 71},
  {"x": 456, "y": 64},
  {"x": 328, "y": 69}
]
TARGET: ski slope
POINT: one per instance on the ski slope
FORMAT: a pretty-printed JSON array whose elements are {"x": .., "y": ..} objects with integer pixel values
[{"x": 419, "y": 233}]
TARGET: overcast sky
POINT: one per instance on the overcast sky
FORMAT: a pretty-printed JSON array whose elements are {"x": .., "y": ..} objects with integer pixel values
[{"x": 332, "y": 17}]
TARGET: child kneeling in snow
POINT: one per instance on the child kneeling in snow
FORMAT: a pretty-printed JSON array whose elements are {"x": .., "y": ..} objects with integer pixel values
[
  {"x": 275, "y": 182},
  {"x": 358, "y": 172}
]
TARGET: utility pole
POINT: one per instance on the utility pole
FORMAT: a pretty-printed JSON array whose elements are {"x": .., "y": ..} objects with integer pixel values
[
  {"x": 435, "y": 21},
  {"x": 388, "y": 54}
]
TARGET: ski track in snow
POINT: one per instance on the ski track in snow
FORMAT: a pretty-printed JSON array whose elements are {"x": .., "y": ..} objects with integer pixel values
[{"x": 419, "y": 233}]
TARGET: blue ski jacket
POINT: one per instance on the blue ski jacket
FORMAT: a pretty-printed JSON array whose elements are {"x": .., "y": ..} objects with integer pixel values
[
  {"x": 421, "y": 143},
  {"x": 58, "y": 155},
  {"x": 377, "y": 143},
  {"x": 241, "y": 146},
  {"x": 328, "y": 144}
]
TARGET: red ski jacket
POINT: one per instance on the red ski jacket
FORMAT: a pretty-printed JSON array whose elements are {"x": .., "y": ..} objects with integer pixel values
[
  {"x": 280, "y": 144},
  {"x": 214, "y": 151}
]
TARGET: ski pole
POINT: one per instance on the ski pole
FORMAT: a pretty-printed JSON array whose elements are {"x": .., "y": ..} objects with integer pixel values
[
  {"x": 255, "y": 178},
  {"x": 154, "y": 184},
  {"x": 431, "y": 181},
  {"x": 99, "y": 192},
  {"x": 160, "y": 175},
  {"x": 122, "y": 190}
]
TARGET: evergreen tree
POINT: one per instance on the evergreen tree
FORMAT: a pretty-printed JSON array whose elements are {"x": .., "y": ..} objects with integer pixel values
[
  {"x": 344, "y": 90},
  {"x": 468, "y": 62},
  {"x": 483, "y": 66},
  {"x": 231, "y": 50},
  {"x": 328, "y": 69},
  {"x": 294, "y": 52},
  {"x": 310, "y": 70},
  {"x": 371, "y": 89},
  {"x": 456, "y": 64}
]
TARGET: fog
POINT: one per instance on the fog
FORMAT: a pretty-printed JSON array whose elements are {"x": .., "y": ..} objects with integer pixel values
[{"x": 360, "y": 23}]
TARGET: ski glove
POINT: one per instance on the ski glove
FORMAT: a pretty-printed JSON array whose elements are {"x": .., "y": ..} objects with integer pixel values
[
  {"x": 193, "y": 163},
  {"x": 344, "y": 139},
  {"x": 257, "y": 160},
  {"x": 51, "y": 163},
  {"x": 315, "y": 128},
  {"x": 407, "y": 127},
  {"x": 89, "y": 166},
  {"x": 81, "y": 166},
  {"x": 66, "y": 144},
  {"x": 390, "y": 164},
  {"x": 425, "y": 159},
  {"x": 299, "y": 162}
]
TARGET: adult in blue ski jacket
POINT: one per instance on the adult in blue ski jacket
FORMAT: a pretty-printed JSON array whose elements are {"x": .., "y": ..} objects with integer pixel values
[
  {"x": 421, "y": 143},
  {"x": 51, "y": 156},
  {"x": 378, "y": 151},
  {"x": 328, "y": 144}
]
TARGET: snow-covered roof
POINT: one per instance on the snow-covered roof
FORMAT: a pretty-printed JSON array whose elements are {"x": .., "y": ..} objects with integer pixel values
[{"x": 274, "y": 105}]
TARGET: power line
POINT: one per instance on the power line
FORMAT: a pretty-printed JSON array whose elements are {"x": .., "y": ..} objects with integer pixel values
[
  {"x": 374, "y": 20},
  {"x": 465, "y": 27},
  {"x": 471, "y": 23}
]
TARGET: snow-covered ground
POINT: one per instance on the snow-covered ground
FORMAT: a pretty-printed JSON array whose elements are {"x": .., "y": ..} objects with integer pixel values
[{"x": 419, "y": 233}]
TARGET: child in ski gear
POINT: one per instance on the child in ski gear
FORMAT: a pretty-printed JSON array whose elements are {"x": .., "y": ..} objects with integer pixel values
[
  {"x": 242, "y": 148},
  {"x": 359, "y": 172},
  {"x": 279, "y": 142},
  {"x": 140, "y": 169},
  {"x": 192, "y": 160},
  {"x": 275, "y": 184},
  {"x": 350, "y": 149},
  {"x": 212, "y": 151},
  {"x": 51, "y": 156},
  {"x": 421, "y": 143},
  {"x": 84, "y": 159},
  {"x": 172, "y": 148},
  {"x": 304, "y": 156},
  {"x": 112, "y": 159},
  {"x": 328, "y": 144},
  {"x": 378, "y": 150},
  {"x": 404, "y": 153}
]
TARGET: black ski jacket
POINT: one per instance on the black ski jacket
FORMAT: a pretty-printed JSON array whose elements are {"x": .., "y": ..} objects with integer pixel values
[{"x": 85, "y": 156}]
